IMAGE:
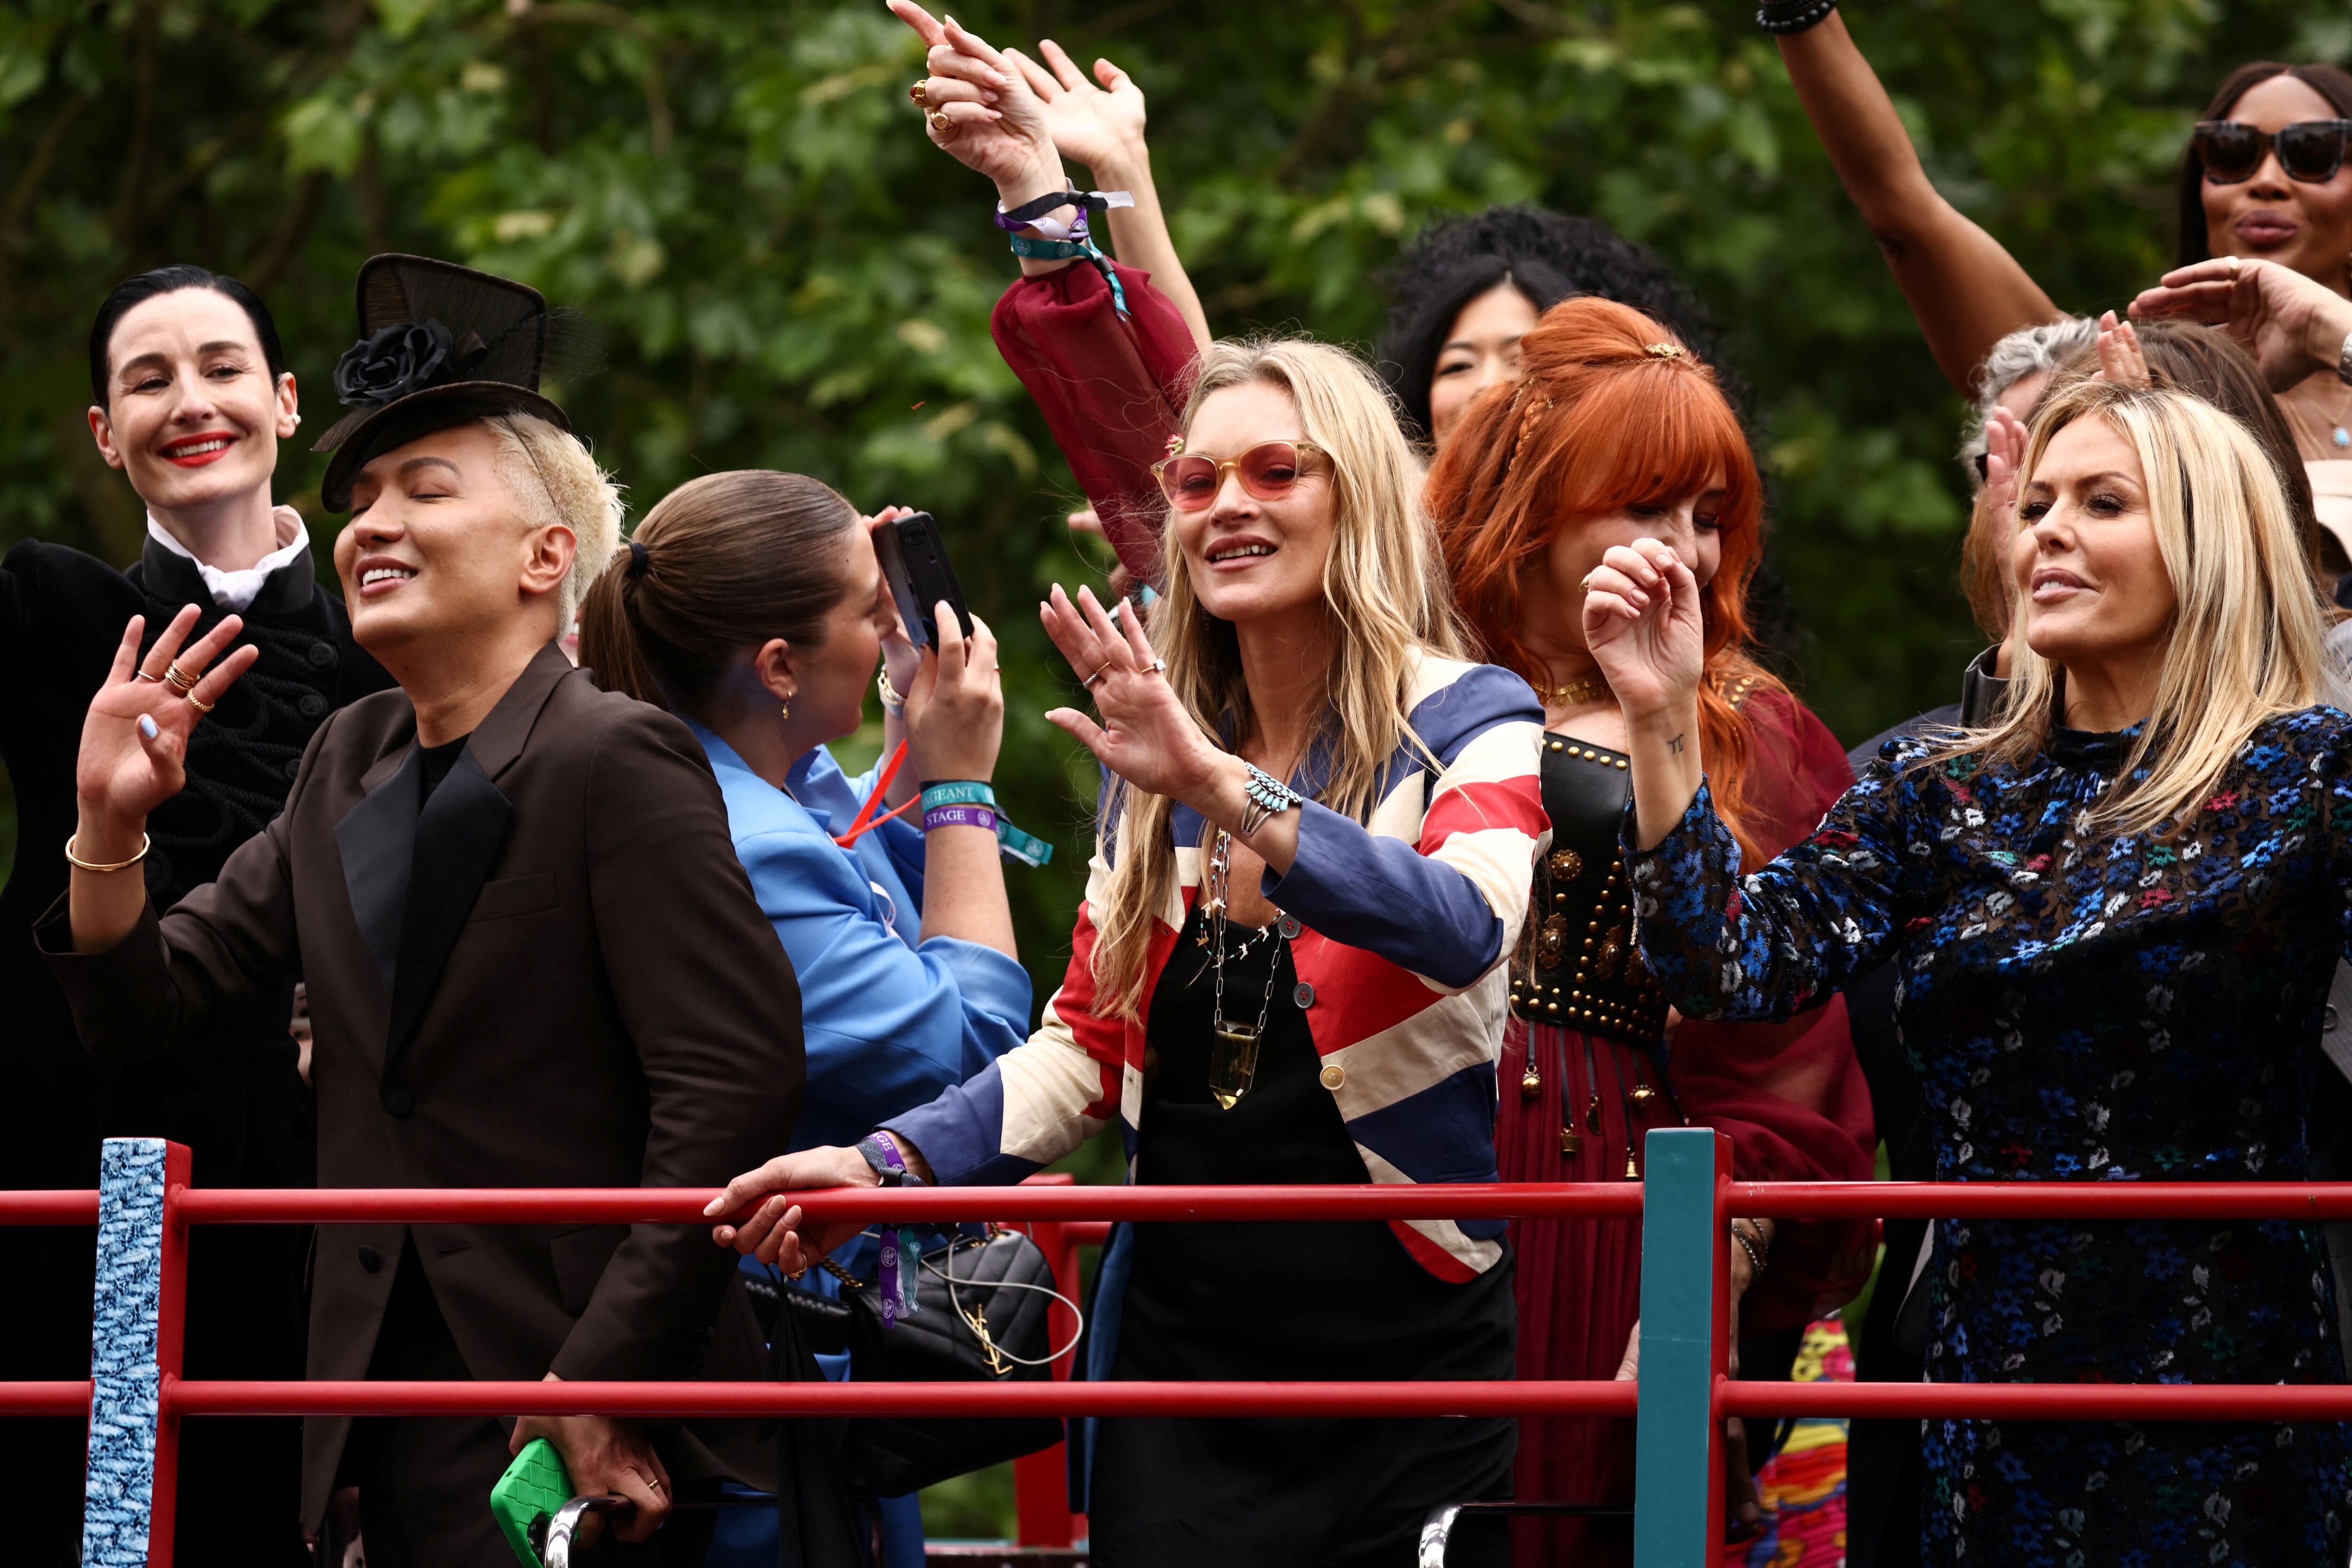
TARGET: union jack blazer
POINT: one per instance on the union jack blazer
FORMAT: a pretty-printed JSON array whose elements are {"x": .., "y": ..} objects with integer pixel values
[{"x": 1407, "y": 921}]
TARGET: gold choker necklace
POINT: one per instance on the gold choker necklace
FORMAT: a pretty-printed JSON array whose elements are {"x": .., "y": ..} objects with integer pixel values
[{"x": 1575, "y": 693}]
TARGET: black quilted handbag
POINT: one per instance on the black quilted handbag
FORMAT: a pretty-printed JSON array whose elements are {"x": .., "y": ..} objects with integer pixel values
[{"x": 986, "y": 1310}]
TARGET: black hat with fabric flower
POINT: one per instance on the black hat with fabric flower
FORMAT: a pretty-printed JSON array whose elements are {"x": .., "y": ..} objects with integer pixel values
[{"x": 441, "y": 345}]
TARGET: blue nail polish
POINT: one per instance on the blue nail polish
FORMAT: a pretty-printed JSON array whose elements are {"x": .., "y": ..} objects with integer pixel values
[{"x": 147, "y": 726}]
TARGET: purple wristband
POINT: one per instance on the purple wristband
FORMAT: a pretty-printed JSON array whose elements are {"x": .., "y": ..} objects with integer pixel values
[{"x": 959, "y": 816}]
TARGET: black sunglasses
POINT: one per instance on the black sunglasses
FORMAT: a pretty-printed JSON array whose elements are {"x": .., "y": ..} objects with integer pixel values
[{"x": 2310, "y": 150}]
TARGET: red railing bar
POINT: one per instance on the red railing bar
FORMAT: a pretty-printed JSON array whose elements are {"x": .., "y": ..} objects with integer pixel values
[
  {"x": 2044, "y": 1401},
  {"x": 45, "y": 1398},
  {"x": 523, "y": 1206},
  {"x": 48, "y": 1207},
  {"x": 1786, "y": 1200},
  {"x": 1039, "y": 1398},
  {"x": 1887, "y": 1401},
  {"x": 2043, "y": 1200}
]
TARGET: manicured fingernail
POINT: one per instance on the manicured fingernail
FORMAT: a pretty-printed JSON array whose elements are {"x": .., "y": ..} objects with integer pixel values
[{"x": 147, "y": 726}]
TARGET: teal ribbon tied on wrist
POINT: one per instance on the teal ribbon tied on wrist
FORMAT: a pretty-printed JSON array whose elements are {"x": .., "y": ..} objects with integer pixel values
[
  {"x": 1010, "y": 841},
  {"x": 1080, "y": 244}
]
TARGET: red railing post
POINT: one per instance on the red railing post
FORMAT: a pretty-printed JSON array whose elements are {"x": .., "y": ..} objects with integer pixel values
[
  {"x": 171, "y": 1331},
  {"x": 1041, "y": 1481}
]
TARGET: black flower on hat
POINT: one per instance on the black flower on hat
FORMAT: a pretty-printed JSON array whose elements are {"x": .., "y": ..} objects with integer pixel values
[{"x": 403, "y": 357}]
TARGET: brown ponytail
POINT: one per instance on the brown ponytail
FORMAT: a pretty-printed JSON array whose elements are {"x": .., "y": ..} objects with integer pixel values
[{"x": 722, "y": 564}]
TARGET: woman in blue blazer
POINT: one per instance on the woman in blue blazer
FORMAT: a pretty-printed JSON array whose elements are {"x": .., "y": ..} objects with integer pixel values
[{"x": 752, "y": 605}]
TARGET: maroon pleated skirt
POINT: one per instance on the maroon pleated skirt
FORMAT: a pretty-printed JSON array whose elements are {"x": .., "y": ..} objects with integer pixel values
[{"x": 1579, "y": 1280}]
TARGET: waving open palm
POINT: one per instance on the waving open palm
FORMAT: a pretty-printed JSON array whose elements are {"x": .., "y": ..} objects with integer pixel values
[
  {"x": 134, "y": 740},
  {"x": 1095, "y": 125}
]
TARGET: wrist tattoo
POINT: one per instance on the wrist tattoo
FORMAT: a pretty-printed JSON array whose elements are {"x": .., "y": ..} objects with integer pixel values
[{"x": 1676, "y": 745}]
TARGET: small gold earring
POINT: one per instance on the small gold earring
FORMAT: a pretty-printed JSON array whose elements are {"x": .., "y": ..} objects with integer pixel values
[{"x": 786, "y": 710}]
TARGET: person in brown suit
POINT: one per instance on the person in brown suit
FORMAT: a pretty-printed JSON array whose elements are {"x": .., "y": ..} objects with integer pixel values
[{"x": 532, "y": 955}]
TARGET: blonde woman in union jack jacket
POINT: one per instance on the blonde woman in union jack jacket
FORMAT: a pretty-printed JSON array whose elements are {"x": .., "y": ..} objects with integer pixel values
[{"x": 1313, "y": 861}]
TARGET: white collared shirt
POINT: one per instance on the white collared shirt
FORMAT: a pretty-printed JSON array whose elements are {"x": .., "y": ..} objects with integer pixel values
[{"x": 238, "y": 590}]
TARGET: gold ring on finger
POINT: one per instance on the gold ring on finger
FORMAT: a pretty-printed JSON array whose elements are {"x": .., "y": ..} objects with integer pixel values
[
  {"x": 939, "y": 122},
  {"x": 1157, "y": 667},
  {"x": 178, "y": 680},
  {"x": 1099, "y": 675},
  {"x": 921, "y": 99},
  {"x": 2234, "y": 265},
  {"x": 1586, "y": 586},
  {"x": 201, "y": 707}
]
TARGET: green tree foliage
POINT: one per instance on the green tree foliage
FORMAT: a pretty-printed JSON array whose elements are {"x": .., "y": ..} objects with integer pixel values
[{"x": 788, "y": 275}]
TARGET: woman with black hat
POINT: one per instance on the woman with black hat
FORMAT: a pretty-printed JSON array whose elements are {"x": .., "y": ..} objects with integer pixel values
[{"x": 190, "y": 397}]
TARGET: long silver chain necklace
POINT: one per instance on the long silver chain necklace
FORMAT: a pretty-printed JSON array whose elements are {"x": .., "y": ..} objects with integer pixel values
[{"x": 1232, "y": 1056}]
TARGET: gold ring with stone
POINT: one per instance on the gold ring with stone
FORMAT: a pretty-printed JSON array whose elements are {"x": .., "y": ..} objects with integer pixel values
[
  {"x": 916, "y": 93},
  {"x": 939, "y": 122},
  {"x": 178, "y": 680}
]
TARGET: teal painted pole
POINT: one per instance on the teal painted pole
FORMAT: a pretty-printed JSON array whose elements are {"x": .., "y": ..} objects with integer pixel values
[{"x": 1678, "y": 1485}]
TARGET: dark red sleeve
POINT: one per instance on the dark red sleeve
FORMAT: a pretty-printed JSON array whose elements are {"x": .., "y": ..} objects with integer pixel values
[
  {"x": 1791, "y": 1095},
  {"x": 1112, "y": 387}
]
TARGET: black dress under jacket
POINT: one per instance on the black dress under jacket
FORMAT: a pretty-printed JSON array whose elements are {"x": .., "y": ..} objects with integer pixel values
[{"x": 232, "y": 1095}]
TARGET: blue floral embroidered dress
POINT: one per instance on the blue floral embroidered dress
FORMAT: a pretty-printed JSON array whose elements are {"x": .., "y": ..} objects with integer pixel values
[{"x": 2080, "y": 1007}]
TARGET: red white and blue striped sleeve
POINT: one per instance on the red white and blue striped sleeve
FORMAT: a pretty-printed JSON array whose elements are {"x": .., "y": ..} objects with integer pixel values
[{"x": 1437, "y": 883}]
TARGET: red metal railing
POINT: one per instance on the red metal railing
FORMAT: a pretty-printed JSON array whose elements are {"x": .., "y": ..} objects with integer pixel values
[
  {"x": 1056, "y": 1208},
  {"x": 1679, "y": 1365}
]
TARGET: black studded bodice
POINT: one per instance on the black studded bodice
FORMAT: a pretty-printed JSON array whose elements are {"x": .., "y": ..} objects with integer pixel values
[{"x": 1577, "y": 965}]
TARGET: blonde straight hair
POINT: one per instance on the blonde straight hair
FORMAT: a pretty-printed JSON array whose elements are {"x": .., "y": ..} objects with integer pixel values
[
  {"x": 553, "y": 479},
  {"x": 1384, "y": 594},
  {"x": 2247, "y": 640}
]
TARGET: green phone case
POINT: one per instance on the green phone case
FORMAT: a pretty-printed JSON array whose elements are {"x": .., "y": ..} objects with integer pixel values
[{"x": 531, "y": 1491}]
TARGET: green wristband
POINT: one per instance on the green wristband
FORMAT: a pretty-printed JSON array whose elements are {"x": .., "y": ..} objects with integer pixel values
[
  {"x": 1047, "y": 249},
  {"x": 1027, "y": 848},
  {"x": 959, "y": 792}
]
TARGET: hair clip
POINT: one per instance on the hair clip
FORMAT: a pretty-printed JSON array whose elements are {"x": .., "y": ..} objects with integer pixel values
[
  {"x": 1665, "y": 350},
  {"x": 1175, "y": 445}
]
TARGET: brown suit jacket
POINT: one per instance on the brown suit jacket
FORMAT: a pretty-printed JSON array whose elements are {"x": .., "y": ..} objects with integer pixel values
[{"x": 555, "y": 975}]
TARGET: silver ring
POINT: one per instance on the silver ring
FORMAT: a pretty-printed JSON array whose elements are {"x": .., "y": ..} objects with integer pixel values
[
  {"x": 2234, "y": 265},
  {"x": 143, "y": 675},
  {"x": 1099, "y": 675}
]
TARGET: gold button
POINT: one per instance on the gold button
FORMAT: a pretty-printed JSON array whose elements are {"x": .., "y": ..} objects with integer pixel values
[
  {"x": 1620, "y": 762},
  {"x": 1556, "y": 745},
  {"x": 1334, "y": 1076}
]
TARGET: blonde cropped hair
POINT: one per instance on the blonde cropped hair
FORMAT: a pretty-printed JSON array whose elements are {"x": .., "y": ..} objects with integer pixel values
[
  {"x": 1385, "y": 595},
  {"x": 2247, "y": 640},
  {"x": 554, "y": 480}
]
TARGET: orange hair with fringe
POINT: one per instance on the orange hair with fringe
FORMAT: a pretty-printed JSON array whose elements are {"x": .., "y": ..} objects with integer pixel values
[{"x": 1610, "y": 411}]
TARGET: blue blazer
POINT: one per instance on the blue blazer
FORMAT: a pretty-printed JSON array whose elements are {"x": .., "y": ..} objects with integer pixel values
[{"x": 891, "y": 1017}]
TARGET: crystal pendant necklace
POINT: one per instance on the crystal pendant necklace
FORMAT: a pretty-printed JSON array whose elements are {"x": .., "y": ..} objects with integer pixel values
[{"x": 1232, "y": 1056}]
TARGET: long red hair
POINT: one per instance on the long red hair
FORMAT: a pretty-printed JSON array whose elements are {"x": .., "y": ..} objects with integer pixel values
[{"x": 1610, "y": 411}]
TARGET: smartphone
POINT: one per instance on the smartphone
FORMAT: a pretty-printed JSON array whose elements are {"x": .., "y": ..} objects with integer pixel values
[
  {"x": 532, "y": 1491},
  {"x": 915, "y": 564}
]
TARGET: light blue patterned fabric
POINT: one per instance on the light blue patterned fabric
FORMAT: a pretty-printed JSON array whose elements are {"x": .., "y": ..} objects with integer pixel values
[{"x": 124, "y": 1407}]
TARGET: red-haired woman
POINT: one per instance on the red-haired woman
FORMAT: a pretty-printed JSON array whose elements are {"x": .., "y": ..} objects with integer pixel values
[{"x": 1615, "y": 430}]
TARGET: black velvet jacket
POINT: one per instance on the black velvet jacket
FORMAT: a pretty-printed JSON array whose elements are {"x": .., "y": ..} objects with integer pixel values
[{"x": 61, "y": 614}]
